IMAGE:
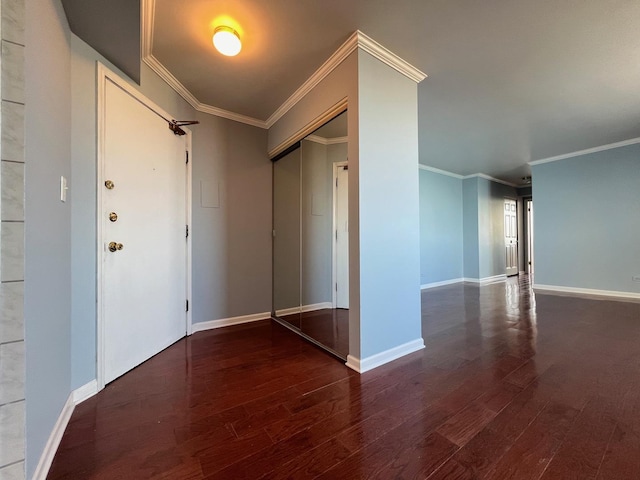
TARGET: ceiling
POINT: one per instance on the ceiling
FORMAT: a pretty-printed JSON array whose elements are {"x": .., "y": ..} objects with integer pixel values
[{"x": 508, "y": 81}]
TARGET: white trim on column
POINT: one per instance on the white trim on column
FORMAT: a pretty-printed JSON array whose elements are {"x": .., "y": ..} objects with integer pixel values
[
  {"x": 227, "y": 322},
  {"x": 486, "y": 280},
  {"x": 490, "y": 178},
  {"x": 427, "y": 286},
  {"x": 369, "y": 363},
  {"x": 587, "y": 292},
  {"x": 84, "y": 392}
]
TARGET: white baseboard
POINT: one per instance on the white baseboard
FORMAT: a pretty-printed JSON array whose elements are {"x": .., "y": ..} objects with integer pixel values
[
  {"x": 441, "y": 284},
  {"x": 305, "y": 308},
  {"x": 77, "y": 396},
  {"x": 487, "y": 280},
  {"x": 587, "y": 292},
  {"x": 227, "y": 322},
  {"x": 84, "y": 392},
  {"x": 50, "y": 449},
  {"x": 369, "y": 363}
]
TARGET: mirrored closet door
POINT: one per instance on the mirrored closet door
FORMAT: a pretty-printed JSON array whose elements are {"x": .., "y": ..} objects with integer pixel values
[{"x": 310, "y": 249}]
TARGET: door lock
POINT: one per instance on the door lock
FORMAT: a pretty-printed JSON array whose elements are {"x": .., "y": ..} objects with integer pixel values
[
  {"x": 113, "y": 216},
  {"x": 113, "y": 246}
]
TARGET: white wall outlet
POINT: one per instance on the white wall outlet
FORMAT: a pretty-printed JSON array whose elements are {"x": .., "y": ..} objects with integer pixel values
[
  {"x": 63, "y": 189},
  {"x": 636, "y": 278}
]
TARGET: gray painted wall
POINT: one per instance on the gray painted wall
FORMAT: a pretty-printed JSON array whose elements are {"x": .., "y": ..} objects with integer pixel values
[
  {"x": 232, "y": 243},
  {"x": 586, "y": 221},
  {"x": 389, "y": 207},
  {"x": 48, "y": 222},
  {"x": 441, "y": 234}
]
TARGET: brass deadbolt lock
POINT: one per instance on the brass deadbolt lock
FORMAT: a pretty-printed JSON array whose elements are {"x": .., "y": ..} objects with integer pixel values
[
  {"x": 113, "y": 216},
  {"x": 113, "y": 246},
  {"x": 109, "y": 184}
]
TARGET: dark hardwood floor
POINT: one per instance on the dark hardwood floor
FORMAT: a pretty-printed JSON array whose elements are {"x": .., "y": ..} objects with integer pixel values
[
  {"x": 509, "y": 386},
  {"x": 328, "y": 326}
]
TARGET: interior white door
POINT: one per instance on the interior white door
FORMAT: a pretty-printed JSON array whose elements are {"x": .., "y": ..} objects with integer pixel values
[
  {"x": 342, "y": 236},
  {"x": 144, "y": 284},
  {"x": 511, "y": 237}
]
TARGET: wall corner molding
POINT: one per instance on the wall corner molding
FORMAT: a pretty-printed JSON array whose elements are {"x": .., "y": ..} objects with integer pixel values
[{"x": 379, "y": 359}]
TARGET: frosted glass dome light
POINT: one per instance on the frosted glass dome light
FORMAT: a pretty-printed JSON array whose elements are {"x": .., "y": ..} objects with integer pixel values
[{"x": 227, "y": 41}]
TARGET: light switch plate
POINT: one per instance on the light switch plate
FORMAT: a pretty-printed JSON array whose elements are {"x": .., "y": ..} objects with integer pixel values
[{"x": 63, "y": 189}]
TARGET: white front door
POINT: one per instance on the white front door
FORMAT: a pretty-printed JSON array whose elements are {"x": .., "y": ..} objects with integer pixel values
[
  {"x": 511, "y": 237},
  {"x": 341, "y": 235},
  {"x": 143, "y": 285}
]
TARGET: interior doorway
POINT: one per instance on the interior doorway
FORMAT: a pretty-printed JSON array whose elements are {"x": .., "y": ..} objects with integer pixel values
[{"x": 511, "y": 237}]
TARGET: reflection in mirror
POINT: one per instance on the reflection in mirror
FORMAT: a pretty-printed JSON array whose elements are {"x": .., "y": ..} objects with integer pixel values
[
  {"x": 286, "y": 241},
  {"x": 320, "y": 196}
]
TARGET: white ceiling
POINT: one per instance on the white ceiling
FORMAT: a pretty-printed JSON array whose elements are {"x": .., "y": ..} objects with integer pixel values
[{"x": 509, "y": 81}]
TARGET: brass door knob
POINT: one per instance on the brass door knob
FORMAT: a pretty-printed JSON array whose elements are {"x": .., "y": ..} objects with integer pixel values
[
  {"x": 109, "y": 184},
  {"x": 113, "y": 216},
  {"x": 113, "y": 246}
]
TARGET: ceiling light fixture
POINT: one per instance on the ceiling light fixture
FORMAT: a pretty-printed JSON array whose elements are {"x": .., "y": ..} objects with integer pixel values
[{"x": 227, "y": 41}]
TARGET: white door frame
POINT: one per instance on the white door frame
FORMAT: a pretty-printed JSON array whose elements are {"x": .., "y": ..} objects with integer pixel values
[
  {"x": 334, "y": 253},
  {"x": 105, "y": 75},
  {"x": 530, "y": 213}
]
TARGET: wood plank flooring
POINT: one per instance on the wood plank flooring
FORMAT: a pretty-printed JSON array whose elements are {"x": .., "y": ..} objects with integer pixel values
[{"x": 509, "y": 386}]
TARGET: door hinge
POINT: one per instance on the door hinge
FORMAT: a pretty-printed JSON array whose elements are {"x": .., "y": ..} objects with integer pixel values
[
  {"x": 336, "y": 235},
  {"x": 187, "y": 155},
  {"x": 187, "y": 306},
  {"x": 187, "y": 230},
  {"x": 336, "y": 182}
]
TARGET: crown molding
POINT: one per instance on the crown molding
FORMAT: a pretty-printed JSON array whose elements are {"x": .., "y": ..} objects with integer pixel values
[
  {"x": 305, "y": 131},
  {"x": 346, "y": 49},
  {"x": 492, "y": 179},
  {"x": 148, "y": 14},
  {"x": 355, "y": 41},
  {"x": 326, "y": 141},
  {"x": 441, "y": 172},
  {"x": 386, "y": 56},
  {"x": 579, "y": 153}
]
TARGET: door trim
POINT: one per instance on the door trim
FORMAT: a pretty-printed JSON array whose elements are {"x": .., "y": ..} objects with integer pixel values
[
  {"x": 104, "y": 75},
  {"x": 334, "y": 250}
]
